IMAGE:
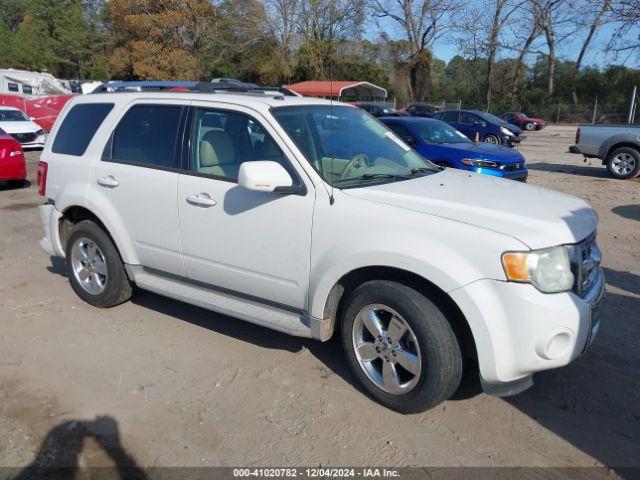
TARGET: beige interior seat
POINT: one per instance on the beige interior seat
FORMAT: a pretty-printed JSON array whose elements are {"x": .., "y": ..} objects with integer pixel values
[{"x": 217, "y": 155}]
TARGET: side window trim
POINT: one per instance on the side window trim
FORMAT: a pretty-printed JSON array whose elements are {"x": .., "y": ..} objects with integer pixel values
[
  {"x": 299, "y": 187},
  {"x": 177, "y": 148}
]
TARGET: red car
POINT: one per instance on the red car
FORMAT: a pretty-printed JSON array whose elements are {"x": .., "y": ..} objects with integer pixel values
[
  {"x": 521, "y": 120},
  {"x": 12, "y": 167}
]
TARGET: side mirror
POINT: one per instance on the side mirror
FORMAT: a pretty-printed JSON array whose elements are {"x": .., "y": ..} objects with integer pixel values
[{"x": 264, "y": 176}]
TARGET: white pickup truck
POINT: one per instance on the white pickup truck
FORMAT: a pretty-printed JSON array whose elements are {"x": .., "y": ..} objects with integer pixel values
[
  {"x": 618, "y": 146},
  {"x": 313, "y": 218}
]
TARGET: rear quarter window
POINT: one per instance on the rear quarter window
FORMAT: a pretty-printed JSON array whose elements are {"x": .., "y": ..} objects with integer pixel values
[{"x": 79, "y": 127}]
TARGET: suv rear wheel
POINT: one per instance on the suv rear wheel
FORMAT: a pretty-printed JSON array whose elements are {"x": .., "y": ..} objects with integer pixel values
[
  {"x": 400, "y": 346},
  {"x": 94, "y": 266},
  {"x": 624, "y": 163}
]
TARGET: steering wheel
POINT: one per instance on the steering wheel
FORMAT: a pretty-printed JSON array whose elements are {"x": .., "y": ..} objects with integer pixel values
[{"x": 358, "y": 158}]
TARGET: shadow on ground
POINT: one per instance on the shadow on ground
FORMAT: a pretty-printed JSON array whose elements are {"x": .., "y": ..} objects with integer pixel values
[
  {"x": 60, "y": 452},
  {"x": 632, "y": 212},
  {"x": 593, "y": 402},
  {"x": 588, "y": 171}
]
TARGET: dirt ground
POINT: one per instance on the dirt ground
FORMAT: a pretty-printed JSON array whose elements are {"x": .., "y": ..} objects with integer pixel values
[{"x": 155, "y": 382}]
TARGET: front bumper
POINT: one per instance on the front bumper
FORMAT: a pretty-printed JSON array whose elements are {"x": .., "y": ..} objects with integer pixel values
[
  {"x": 50, "y": 218},
  {"x": 519, "y": 175},
  {"x": 519, "y": 330}
]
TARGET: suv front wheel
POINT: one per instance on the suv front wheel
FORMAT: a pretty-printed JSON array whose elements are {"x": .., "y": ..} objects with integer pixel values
[
  {"x": 94, "y": 266},
  {"x": 400, "y": 346}
]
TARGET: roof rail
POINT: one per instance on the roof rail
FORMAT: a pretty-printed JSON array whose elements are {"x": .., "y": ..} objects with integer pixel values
[{"x": 191, "y": 86}]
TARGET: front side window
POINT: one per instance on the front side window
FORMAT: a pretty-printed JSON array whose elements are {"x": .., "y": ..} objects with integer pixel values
[
  {"x": 147, "y": 136},
  {"x": 436, "y": 131},
  {"x": 79, "y": 127},
  {"x": 402, "y": 132},
  {"x": 468, "y": 118},
  {"x": 222, "y": 140},
  {"x": 27, "y": 89},
  {"x": 349, "y": 148},
  {"x": 13, "y": 116}
]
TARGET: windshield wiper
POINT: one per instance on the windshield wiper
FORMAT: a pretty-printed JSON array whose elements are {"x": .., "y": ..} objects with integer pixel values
[
  {"x": 415, "y": 171},
  {"x": 371, "y": 176}
]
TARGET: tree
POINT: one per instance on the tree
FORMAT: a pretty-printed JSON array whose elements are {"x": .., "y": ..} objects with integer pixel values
[
  {"x": 422, "y": 22},
  {"x": 162, "y": 39}
]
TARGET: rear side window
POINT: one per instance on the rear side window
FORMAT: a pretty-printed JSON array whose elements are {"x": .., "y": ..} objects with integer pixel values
[
  {"x": 79, "y": 127},
  {"x": 13, "y": 87},
  {"x": 451, "y": 117},
  {"x": 147, "y": 136}
]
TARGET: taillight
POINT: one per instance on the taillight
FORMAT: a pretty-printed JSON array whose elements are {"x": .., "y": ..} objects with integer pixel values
[
  {"x": 577, "y": 136},
  {"x": 41, "y": 178}
]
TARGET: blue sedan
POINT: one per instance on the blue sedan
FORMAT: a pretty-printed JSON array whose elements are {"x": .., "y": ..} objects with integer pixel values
[{"x": 447, "y": 147}]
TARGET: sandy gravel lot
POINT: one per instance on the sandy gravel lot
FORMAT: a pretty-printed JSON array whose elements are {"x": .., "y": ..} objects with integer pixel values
[{"x": 156, "y": 382}]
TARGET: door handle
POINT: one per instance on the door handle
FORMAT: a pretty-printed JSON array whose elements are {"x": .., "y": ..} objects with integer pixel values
[
  {"x": 108, "y": 181},
  {"x": 202, "y": 200}
]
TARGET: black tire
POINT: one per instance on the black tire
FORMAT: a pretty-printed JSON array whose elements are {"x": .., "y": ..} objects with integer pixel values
[
  {"x": 492, "y": 139},
  {"x": 117, "y": 287},
  {"x": 626, "y": 152},
  {"x": 529, "y": 126},
  {"x": 17, "y": 183},
  {"x": 441, "y": 366}
]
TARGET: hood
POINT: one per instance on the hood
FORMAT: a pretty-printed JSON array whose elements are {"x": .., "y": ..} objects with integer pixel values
[
  {"x": 536, "y": 216},
  {"x": 512, "y": 128},
  {"x": 19, "y": 127},
  {"x": 486, "y": 151}
]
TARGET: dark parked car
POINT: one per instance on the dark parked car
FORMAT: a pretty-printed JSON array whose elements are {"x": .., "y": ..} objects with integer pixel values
[
  {"x": 379, "y": 109},
  {"x": 447, "y": 147},
  {"x": 522, "y": 121},
  {"x": 482, "y": 126},
  {"x": 421, "y": 110}
]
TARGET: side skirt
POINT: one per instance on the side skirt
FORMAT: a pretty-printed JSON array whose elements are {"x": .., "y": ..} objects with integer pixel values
[{"x": 286, "y": 320}]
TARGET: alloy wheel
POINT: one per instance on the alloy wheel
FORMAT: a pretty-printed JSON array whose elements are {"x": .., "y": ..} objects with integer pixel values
[
  {"x": 89, "y": 266},
  {"x": 623, "y": 164},
  {"x": 387, "y": 349}
]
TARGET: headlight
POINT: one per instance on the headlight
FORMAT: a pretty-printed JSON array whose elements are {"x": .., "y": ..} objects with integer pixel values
[
  {"x": 507, "y": 132},
  {"x": 549, "y": 269},
  {"x": 40, "y": 132},
  {"x": 472, "y": 162}
]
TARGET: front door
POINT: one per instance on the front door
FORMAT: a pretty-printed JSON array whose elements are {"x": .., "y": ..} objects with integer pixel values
[
  {"x": 137, "y": 179},
  {"x": 251, "y": 243}
]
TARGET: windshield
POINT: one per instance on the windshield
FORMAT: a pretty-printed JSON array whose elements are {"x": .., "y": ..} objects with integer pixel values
[
  {"x": 348, "y": 147},
  {"x": 388, "y": 110},
  {"x": 12, "y": 116},
  {"x": 491, "y": 118},
  {"x": 435, "y": 131}
]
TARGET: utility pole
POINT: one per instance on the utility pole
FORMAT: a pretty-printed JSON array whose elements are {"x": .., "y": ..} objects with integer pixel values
[
  {"x": 632, "y": 107},
  {"x": 595, "y": 109},
  {"x": 558, "y": 114}
]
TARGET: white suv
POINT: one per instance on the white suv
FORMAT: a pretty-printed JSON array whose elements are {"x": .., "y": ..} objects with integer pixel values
[{"x": 311, "y": 217}]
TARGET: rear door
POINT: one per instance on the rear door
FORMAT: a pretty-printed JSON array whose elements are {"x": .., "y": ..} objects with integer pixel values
[{"x": 137, "y": 180}]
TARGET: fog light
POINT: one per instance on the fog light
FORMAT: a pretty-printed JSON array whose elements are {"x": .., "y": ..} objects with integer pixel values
[{"x": 555, "y": 346}]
